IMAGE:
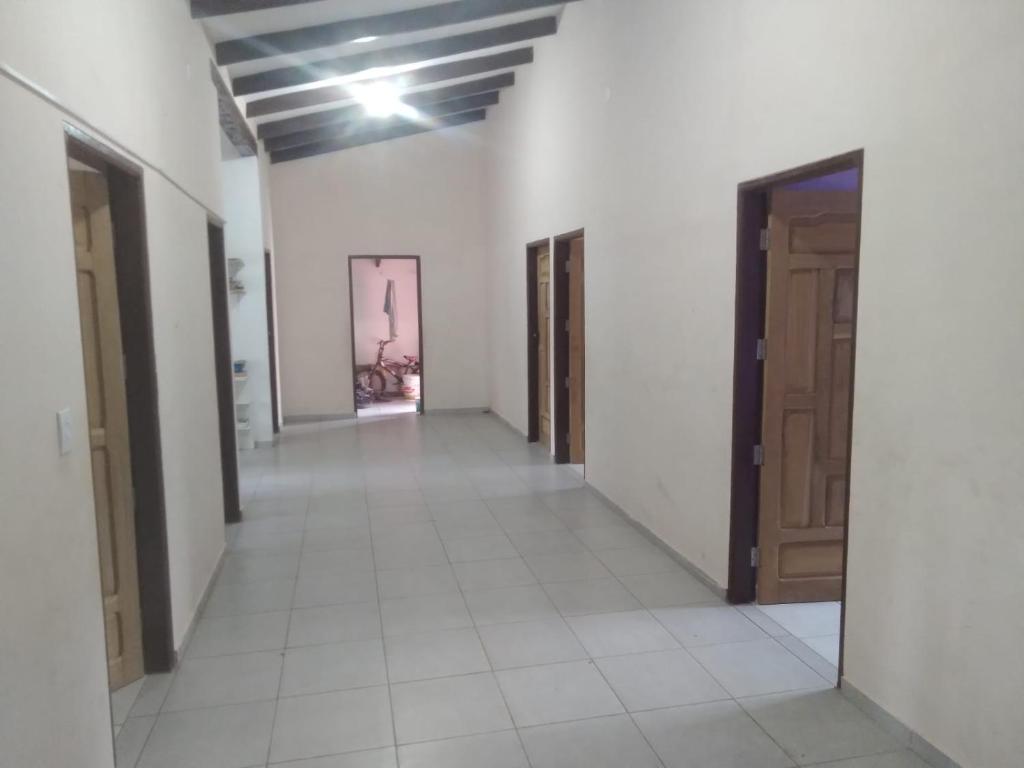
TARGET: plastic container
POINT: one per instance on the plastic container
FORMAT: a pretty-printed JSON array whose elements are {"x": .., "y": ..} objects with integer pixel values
[{"x": 411, "y": 386}]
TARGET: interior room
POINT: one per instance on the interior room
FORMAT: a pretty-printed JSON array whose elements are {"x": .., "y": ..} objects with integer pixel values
[
  {"x": 695, "y": 436},
  {"x": 387, "y": 348}
]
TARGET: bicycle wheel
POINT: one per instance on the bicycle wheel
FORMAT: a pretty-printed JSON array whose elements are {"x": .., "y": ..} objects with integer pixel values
[{"x": 378, "y": 383}]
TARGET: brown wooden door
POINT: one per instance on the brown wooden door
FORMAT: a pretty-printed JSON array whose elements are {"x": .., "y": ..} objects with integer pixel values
[
  {"x": 108, "y": 424},
  {"x": 812, "y": 277},
  {"x": 577, "y": 355},
  {"x": 544, "y": 343}
]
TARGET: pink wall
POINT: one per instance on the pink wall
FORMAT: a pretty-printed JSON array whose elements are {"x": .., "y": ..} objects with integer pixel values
[{"x": 370, "y": 324}]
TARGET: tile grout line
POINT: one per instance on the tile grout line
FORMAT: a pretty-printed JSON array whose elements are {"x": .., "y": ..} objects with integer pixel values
[
  {"x": 288, "y": 628},
  {"x": 487, "y": 656},
  {"x": 380, "y": 622}
]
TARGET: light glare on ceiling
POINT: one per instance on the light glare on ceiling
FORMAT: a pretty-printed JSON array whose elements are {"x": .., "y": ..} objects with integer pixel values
[
  {"x": 382, "y": 100},
  {"x": 367, "y": 39}
]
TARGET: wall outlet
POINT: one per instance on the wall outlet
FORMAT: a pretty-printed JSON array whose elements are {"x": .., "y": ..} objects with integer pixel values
[{"x": 64, "y": 434}]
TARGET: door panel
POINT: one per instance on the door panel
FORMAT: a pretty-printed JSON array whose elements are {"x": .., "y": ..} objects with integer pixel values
[
  {"x": 108, "y": 424},
  {"x": 544, "y": 343},
  {"x": 807, "y": 394},
  {"x": 577, "y": 355}
]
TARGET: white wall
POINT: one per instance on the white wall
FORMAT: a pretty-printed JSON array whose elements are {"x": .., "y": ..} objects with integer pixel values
[
  {"x": 137, "y": 71},
  {"x": 244, "y": 239},
  {"x": 369, "y": 284},
  {"x": 414, "y": 196},
  {"x": 637, "y": 122}
]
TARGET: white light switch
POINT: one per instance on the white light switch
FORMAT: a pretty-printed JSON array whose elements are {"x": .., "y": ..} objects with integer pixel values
[{"x": 64, "y": 430}]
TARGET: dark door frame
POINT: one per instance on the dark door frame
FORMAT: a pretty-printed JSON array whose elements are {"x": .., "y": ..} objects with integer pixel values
[
  {"x": 131, "y": 257},
  {"x": 275, "y": 408},
  {"x": 748, "y": 371},
  {"x": 560, "y": 423},
  {"x": 419, "y": 320},
  {"x": 532, "y": 342},
  {"x": 224, "y": 371}
]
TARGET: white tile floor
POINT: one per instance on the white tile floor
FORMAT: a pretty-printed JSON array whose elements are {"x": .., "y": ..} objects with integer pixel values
[
  {"x": 387, "y": 408},
  {"x": 430, "y": 592}
]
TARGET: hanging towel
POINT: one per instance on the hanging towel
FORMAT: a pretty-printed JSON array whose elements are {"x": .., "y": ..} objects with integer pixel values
[{"x": 391, "y": 309}]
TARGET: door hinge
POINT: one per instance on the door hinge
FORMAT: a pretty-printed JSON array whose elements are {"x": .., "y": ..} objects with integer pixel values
[
  {"x": 568, "y": 266},
  {"x": 755, "y": 557},
  {"x": 758, "y": 455},
  {"x": 567, "y": 326},
  {"x": 766, "y": 239},
  {"x": 762, "y": 349},
  {"x": 566, "y": 382},
  {"x": 568, "y": 439}
]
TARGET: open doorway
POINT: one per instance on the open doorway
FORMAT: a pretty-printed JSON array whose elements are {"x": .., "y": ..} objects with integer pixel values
[
  {"x": 796, "y": 309},
  {"x": 538, "y": 342},
  {"x": 230, "y": 375},
  {"x": 570, "y": 351},
  {"x": 119, "y": 365},
  {"x": 385, "y": 296}
]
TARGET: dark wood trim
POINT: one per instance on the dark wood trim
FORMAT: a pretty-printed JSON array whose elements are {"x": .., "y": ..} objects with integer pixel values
[
  {"x": 419, "y": 318},
  {"x": 362, "y": 124},
  {"x": 751, "y": 297},
  {"x": 374, "y": 137},
  {"x": 202, "y": 9},
  {"x": 438, "y": 73},
  {"x": 224, "y": 372},
  {"x": 532, "y": 343},
  {"x": 128, "y": 216},
  {"x": 275, "y": 406},
  {"x": 231, "y": 120},
  {"x": 289, "y": 77},
  {"x": 382, "y": 25},
  {"x": 356, "y": 112},
  {"x": 748, "y": 379},
  {"x": 560, "y": 424}
]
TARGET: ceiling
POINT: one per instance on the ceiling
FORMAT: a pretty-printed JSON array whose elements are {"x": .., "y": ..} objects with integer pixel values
[{"x": 292, "y": 64}]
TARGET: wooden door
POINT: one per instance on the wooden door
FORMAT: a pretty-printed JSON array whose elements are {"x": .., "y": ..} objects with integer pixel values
[
  {"x": 108, "y": 424},
  {"x": 812, "y": 278},
  {"x": 544, "y": 343},
  {"x": 577, "y": 356}
]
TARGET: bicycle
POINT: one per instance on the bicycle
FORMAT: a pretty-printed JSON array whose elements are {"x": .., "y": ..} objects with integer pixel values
[{"x": 383, "y": 367}]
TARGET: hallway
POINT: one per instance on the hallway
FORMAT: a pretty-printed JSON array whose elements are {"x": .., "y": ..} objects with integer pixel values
[{"x": 524, "y": 623}]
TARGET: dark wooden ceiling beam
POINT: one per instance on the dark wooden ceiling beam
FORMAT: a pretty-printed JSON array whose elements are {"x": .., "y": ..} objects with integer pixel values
[
  {"x": 434, "y": 74},
  {"x": 231, "y": 121},
  {"x": 418, "y": 99},
  {"x": 363, "y": 123},
  {"x": 339, "y": 32},
  {"x": 287, "y": 77},
  {"x": 373, "y": 137},
  {"x": 202, "y": 9}
]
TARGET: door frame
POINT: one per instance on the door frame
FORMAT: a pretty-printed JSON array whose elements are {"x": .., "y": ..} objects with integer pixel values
[
  {"x": 419, "y": 320},
  {"x": 131, "y": 257},
  {"x": 748, "y": 371},
  {"x": 560, "y": 422},
  {"x": 275, "y": 406},
  {"x": 223, "y": 364},
  {"x": 533, "y": 341}
]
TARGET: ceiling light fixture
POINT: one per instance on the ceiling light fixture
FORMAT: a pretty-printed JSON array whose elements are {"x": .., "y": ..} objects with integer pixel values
[
  {"x": 382, "y": 100},
  {"x": 367, "y": 39}
]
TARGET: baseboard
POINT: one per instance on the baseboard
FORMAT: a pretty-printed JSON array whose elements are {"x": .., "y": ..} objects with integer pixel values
[
  {"x": 316, "y": 418},
  {"x": 200, "y": 608},
  {"x": 507, "y": 423},
  {"x": 458, "y": 411},
  {"x": 927, "y": 751},
  {"x": 693, "y": 569}
]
